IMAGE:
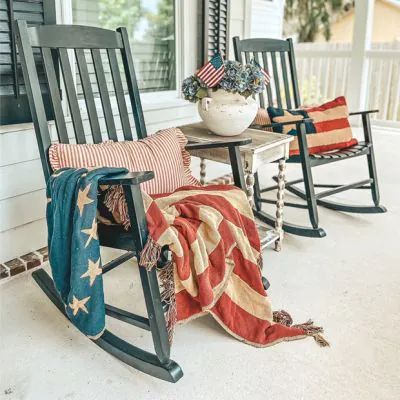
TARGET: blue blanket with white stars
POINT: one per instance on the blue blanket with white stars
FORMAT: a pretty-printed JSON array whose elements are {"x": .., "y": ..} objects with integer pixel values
[{"x": 74, "y": 249}]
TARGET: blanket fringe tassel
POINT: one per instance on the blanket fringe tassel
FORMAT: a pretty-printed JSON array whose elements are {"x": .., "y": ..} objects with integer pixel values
[
  {"x": 167, "y": 283},
  {"x": 283, "y": 317},
  {"x": 260, "y": 261},
  {"x": 148, "y": 259},
  {"x": 150, "y": 254},
  {"x": 114, "y": 200}
]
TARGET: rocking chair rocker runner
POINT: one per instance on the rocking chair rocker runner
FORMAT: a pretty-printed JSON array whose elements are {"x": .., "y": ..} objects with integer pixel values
[
  {"x": 54, "y": 40},
  {"x": 276, "y": 53}
]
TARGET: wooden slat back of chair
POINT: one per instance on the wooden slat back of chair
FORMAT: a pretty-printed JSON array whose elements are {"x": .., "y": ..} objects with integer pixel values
[
  {"x": 55, "y": 42},
  {"x": 278, "y": 60}
]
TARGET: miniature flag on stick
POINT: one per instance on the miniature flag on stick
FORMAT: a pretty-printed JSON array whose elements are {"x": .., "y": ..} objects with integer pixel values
[
  {"x": 264, "y": 72},
  {"x": 212, "y": 72}
]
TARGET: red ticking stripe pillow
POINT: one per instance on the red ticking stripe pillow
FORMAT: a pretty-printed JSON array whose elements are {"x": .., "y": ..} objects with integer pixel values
[{"x": 164, "y": 153}]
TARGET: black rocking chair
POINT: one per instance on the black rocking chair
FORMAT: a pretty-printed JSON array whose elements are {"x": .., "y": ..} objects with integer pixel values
[
  {"x": 54, "y": 42},
  {"x": 280, "y": 55}
]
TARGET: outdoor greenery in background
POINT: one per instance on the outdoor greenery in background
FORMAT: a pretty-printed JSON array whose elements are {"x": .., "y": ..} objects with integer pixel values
[
  {"x": 151, "y": 29},
  {"x": 306, "y": 18},
  {"x": 115, "y": 13},
  {"x": 128, "y": 13},
  {"x": 162, "y": 23}
]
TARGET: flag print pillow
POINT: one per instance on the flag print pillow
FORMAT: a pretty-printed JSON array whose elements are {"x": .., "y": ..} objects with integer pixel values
[
  {"x": 164, "y": 153},
  {"x": 330, "y": 129}
]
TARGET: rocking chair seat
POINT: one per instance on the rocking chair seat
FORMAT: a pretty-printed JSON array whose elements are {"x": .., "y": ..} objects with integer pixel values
[{"x": 358, "y": 149}]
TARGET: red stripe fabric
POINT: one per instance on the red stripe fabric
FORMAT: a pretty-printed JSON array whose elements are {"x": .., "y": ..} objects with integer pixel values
[
  {"x": 216, "y": 255},
  {"x": 204, "y": 68},
  {"x": 242, "y": 324},
  {"x": 326, "y": 126},
  {"x": 339, "y": 101}
]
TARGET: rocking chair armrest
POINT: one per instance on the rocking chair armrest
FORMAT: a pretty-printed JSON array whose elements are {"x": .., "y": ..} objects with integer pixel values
[
  {"x": 219, "y": 144},
  {"x": 364, "y": 112},
  {"x": 279, "y": 124},
  {"x": 129, "y": 178}
]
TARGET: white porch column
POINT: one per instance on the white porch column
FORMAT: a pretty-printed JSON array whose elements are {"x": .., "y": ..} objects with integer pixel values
[{"x": 357, "y": 87}]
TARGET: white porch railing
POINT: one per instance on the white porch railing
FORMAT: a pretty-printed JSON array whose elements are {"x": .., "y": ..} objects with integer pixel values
[{"x": 323, "y": 73}]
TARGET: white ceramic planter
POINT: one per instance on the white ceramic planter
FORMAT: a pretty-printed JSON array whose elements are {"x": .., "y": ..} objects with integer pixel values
[{"x": 227, "y": 114}]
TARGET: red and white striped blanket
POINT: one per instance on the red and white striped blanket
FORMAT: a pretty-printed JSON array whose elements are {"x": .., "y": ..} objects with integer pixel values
[{"x": 215, "y": 264}]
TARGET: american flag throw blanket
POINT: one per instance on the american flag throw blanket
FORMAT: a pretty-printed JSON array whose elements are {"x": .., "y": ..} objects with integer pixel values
[{"x": 215, "y": 266}]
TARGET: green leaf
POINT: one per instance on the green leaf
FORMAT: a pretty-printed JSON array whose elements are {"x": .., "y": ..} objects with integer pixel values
[{"x": 201, "y": 93}]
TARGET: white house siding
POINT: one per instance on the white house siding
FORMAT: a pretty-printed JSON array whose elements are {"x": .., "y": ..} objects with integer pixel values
[
  {"x": 266, "y": 18},
  {"x": 239, "y": 16},
  {"x": 22, "y": 199}
]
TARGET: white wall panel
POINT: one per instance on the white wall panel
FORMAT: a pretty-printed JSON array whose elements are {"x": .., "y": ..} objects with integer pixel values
[
  {"x": 22, "y": 240},
  {"x": 266, "y": 18},
  {"x": 20, "y": 210}
]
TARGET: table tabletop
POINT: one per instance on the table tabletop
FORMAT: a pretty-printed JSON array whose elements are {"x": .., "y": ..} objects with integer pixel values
[{"x": 261, "y": 140}]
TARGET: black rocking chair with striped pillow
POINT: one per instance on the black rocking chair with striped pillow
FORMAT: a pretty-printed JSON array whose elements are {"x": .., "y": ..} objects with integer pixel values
[
  {"x": 112, "y": 49},
  {"x": 278, "y": 59}
]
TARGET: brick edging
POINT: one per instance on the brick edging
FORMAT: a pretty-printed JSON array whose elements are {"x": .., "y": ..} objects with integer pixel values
[{"x": 23, "y": 263}]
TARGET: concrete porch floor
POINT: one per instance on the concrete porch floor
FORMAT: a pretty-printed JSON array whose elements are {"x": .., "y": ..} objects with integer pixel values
[{"x": 347, "y": 282}]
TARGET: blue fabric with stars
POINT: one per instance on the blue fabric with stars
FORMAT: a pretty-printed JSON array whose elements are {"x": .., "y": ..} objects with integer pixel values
[
  {"x": 74, "y": 249},
  {"x": 217, "y": 61}
]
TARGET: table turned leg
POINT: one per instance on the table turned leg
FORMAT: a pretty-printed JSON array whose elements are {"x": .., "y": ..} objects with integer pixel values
[
  {"x": 250, "y": 187},
  {"x": 203, "y": 171},
  {"x": 280, "y": 203}
]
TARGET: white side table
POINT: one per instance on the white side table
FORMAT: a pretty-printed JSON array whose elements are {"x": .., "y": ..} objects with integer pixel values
[{"x": 266, "y": 147}]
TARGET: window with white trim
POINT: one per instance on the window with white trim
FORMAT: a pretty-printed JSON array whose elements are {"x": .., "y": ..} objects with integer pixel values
[{"x": 151, "y": 30}]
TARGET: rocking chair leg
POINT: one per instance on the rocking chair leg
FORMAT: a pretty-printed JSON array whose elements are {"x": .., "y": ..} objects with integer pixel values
[
  {"x": 124, "y": 351},
  {"x": 307, "y": 174},
  {"x": 266, "y": 283},
  {"x": 237, "y": 168},
  {"x": 371, "y": 160},
  {"x": 309, "y": 196},
  {"x": 257, "y": 193},
  {"x": 155, "y": 314},
  {"x": 288, "y": 227},
  {"x": 359, "y": 209},
  {"x": 150, "y": 286}
]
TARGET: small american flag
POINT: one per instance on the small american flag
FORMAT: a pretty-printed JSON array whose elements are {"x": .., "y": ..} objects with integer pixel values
[
  {"x": 212, "y": 72},
  {"x": 264, "y": 72}
]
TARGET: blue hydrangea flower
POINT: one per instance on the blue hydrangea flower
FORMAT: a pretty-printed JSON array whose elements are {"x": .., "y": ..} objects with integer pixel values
[
  {"x": 191, "y": 87},
  {"x": 256, "y": 80},
  {"x": 246, "y": 80}
]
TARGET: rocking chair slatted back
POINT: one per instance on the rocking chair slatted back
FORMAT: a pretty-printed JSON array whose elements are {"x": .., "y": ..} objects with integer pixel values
[
  {"x": 278, "y": 60},
  {"x": 70, "y": 43}
]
